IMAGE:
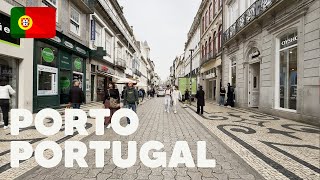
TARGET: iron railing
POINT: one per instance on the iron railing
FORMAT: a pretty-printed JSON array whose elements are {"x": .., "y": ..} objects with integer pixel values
[
  {"x": 254, "y": 11},
  {"x": 121, "y": 63},
  {"x": 209, "y": 56}
]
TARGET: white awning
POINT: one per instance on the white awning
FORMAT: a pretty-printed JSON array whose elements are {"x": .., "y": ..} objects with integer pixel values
[{"x": 140, "y": 84}]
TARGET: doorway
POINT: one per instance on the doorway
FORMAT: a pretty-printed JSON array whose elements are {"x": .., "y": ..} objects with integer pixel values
[
  {"x": 254, "y": 85},
  {"x": 92, "y": 87}
]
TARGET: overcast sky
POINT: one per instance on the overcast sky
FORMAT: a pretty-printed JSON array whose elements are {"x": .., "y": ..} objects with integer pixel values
[{"x": 164, "y": 24}]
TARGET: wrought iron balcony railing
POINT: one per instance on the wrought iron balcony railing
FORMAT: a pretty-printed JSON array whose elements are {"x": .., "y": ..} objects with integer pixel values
[
  {"x": 137, "y": 72},
  {"x": 121, "y": 63},
  {"x": 208, "y": 57},
  {"x": 254, "y": 11}
]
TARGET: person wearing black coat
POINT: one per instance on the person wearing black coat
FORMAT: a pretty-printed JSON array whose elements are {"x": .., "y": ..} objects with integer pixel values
[
  {"x": 200, "y": 100},
  {"x": 230, "y": 100},
  {"x": 76, "y": 96},
  {"x": 111, "y": 92}
]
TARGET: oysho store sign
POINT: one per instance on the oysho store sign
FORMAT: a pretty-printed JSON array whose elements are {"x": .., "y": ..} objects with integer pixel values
[
  {"x": 288, "y": 40},
  {"x": 5, "y": 36}
]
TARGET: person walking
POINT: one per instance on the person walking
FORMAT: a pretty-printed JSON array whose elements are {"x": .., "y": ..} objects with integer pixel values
[
  {"x": 200, "y": 100},
  {"x": 222, "y": 96},
  {"x": 186, "y": 95},
  {"x": 112, "y": 102},
  {"x": 167, "y": 99},
  {"x": 76, "y": 96},
  {"x": 131, "y": 98},
  {"x": 230, "y": 101},
  {"x": 6, "y": 91},
  {"x": 176, "y": 96}
]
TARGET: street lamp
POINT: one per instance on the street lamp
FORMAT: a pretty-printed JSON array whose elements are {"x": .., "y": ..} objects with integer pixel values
[{"x": 190, "y": 80}]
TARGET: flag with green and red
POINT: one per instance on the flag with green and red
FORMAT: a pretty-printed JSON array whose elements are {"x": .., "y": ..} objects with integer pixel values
[{"x": 33, "y": 22}]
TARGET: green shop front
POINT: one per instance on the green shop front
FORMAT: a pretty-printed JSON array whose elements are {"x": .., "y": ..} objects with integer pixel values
[{"x": 57, "y": 63}]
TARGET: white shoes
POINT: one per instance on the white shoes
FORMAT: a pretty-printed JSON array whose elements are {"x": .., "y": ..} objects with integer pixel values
[
  {"x": 6, "y": 127},
  {"x": 175, "y": 112},
  {"x": 109, "y": 126}
]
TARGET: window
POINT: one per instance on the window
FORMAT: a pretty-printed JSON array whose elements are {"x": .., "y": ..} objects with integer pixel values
[
  {"x": 203, "y": 25},
  {"x": 74, "y": 21},
  {"x": 207, "y": 22},
  {"x": 97, "y": 41},
  {"x": 210, "y": 13},
  {"x": 233, "y": 72},
  {"x": 108, "y": 44},
  {"x": 219, "y": 38},
  {"x": 210, "y": 45},
  {"x": 47, "y": 80},
  {"x": 220, "y": 4},
  {"x": 288, "y": 73},
  {"x": 206, "y": 48},
  {"x": 216, "y": 7},
  {"x": 214, "y": 42},
  {"x": 51, "y": 3}
]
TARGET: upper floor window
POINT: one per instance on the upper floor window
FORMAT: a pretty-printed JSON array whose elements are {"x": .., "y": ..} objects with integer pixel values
[
  {"x": 219, "y": 38},
  {"x": 98, "y": 39},
  {"x": 108, "y": 43},
  {"x": 207, "y": 17},
  {"x": 203, "y": 24},
  {"x": 51, "y": 3},
  {"x": 210, "y": 12},
  {"x": 220, "y": 3},
  {"x": 74, "y": 21}
]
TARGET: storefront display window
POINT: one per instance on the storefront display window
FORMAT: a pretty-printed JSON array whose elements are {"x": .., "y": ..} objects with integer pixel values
[
  {"x": 9, "y": 69},
  {"x": 233, "y": 72},
  {"x": 47, "y": 81},
  {"x": 288, "y": 71}
]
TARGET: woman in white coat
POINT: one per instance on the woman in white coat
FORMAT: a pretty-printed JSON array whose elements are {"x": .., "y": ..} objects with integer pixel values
[
  {"x": 176, "y": 96},
  {"x": 5, "y": 93}
]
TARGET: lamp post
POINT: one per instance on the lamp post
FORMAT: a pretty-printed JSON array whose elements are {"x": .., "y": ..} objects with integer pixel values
[{"x": 190, "y": 80}]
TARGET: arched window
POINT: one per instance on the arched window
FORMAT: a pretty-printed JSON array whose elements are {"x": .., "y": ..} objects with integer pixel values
[
  {"x": 202, "y": 50},
  {"x": 219, "y": 38},
  {"x": 210, "y": 45},
  {"x": 214, "y": 42},
  {"x": 206, "y": 48}
]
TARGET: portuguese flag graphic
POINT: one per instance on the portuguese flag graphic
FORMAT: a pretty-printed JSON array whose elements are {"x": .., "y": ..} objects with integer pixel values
[{"x": 33, "y": 22}]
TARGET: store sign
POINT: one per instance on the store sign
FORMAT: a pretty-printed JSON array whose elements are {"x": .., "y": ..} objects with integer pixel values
[
  {"x": 56, "y": 39},
  {"x": 47, "y": 55},
  {"x": 5, "y": 31},
  {"x": 65, "y": 61},
  {"x": 209, "y": 76},
  {"x": 292, "y": 40},
  {"x": 288, "y": 40},
  {"x": 81, "y": 50},
  {"x": 77, "y": 64},
  {"x": 106, "y": 69},
  {"x": 68, "y": 44},
  {"x": 65, "y": 82}
]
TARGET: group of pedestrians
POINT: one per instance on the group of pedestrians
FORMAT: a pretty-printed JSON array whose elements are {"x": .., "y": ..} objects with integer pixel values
[{"x": 172, "y": 97}]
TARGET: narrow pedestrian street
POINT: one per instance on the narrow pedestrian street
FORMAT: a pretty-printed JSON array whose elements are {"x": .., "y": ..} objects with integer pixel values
[{"x": 242, "y": 143}]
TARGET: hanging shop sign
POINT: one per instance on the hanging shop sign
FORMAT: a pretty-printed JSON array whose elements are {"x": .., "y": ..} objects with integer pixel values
[
  {"x": 77, "y": 64},
  {"x": 5, "y": 36},
  {"x": 106, "y": 69},
  {"x": 47, "y": 55},
  {"x": 93, "y": 30}
]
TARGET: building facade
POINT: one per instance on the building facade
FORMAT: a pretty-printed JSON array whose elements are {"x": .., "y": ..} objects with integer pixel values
[
  {"x": 271, "y": 56},
  {"x": 210, "y": 17},
  {"x": 16, "y": 57}
]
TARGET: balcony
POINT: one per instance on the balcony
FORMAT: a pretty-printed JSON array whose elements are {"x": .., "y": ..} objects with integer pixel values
[
  {"x": 252, "y": 13},
  {"x": 211, "y": 55},
  {"x": 120, "y": 63},
  {"x": 137, "y": 72},
  {"x": 85, "y": 5}
]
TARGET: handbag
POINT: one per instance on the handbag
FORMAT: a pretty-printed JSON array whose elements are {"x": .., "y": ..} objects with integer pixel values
[{"x": 113, "y": 102}]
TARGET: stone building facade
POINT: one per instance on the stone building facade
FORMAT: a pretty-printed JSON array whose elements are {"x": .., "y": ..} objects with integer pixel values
[{"x": 272, "y": 55}]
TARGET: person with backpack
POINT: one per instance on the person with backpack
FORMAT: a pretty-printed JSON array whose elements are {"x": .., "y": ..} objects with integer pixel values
[
  {"x": 131, "y": 98},
  {"x": 112, "y": 102},
  {"x": 167, "y": 100},
  {"x": 6, "y": 92}
]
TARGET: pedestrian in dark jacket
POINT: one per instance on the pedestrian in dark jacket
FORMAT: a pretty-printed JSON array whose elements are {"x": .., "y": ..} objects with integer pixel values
[
  {"x": 200, "y": 100},
  {"x": 111, "y": 93},
  {"x": 230, "y": 100},
  {"x": 131, "y": 98},
  {"x": 76, "y": 96},
  {"x": 186, "y": 95}
]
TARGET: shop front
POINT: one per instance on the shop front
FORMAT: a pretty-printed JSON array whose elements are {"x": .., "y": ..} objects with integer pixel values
[
  {"x": 57, "y": 63},
  {"x": 15, "y": 62}
]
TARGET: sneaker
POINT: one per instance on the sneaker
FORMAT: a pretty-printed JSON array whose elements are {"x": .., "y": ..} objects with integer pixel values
[
  {"x": 109, "y": 126},
  {"x": 175, "y": 112},
  {"x": 165, "y": 110},
  {"x": 6, "y": 127}
]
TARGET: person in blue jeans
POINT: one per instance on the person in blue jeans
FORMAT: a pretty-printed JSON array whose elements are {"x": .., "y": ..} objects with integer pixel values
[
  {"x": 131, "y": 98},
  {"x": 76, "y": 96},
  {"x": 222, "y": 96}
]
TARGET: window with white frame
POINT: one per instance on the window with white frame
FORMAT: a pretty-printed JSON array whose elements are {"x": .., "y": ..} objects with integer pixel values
[
  {"x": 74, "y": 21},
  {"x": 51, "y": 3},
  {"x": 108, "y": 43},
  {"x": 233, "y": 73},
  {"x": 97, "y": 41}
]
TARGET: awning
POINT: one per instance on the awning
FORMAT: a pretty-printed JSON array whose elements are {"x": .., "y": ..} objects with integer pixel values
[{"x": 125, "y": 81}]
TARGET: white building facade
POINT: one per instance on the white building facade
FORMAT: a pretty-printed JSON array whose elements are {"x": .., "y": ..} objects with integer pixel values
[{"x": 271, "y": 56}]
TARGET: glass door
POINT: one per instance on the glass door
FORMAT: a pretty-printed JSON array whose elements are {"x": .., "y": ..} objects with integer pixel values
[{"x": 9, "y": 70}]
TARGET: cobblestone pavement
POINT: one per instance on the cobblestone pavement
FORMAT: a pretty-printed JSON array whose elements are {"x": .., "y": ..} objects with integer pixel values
[
  {"x": 32, "y": 136},
  {"x": 157, "y": 125},
  {"x": 277, "y": 148}
]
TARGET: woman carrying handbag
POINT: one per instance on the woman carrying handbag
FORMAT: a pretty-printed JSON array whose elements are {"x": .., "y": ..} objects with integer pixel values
[{"x": 112, "y": 102}]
